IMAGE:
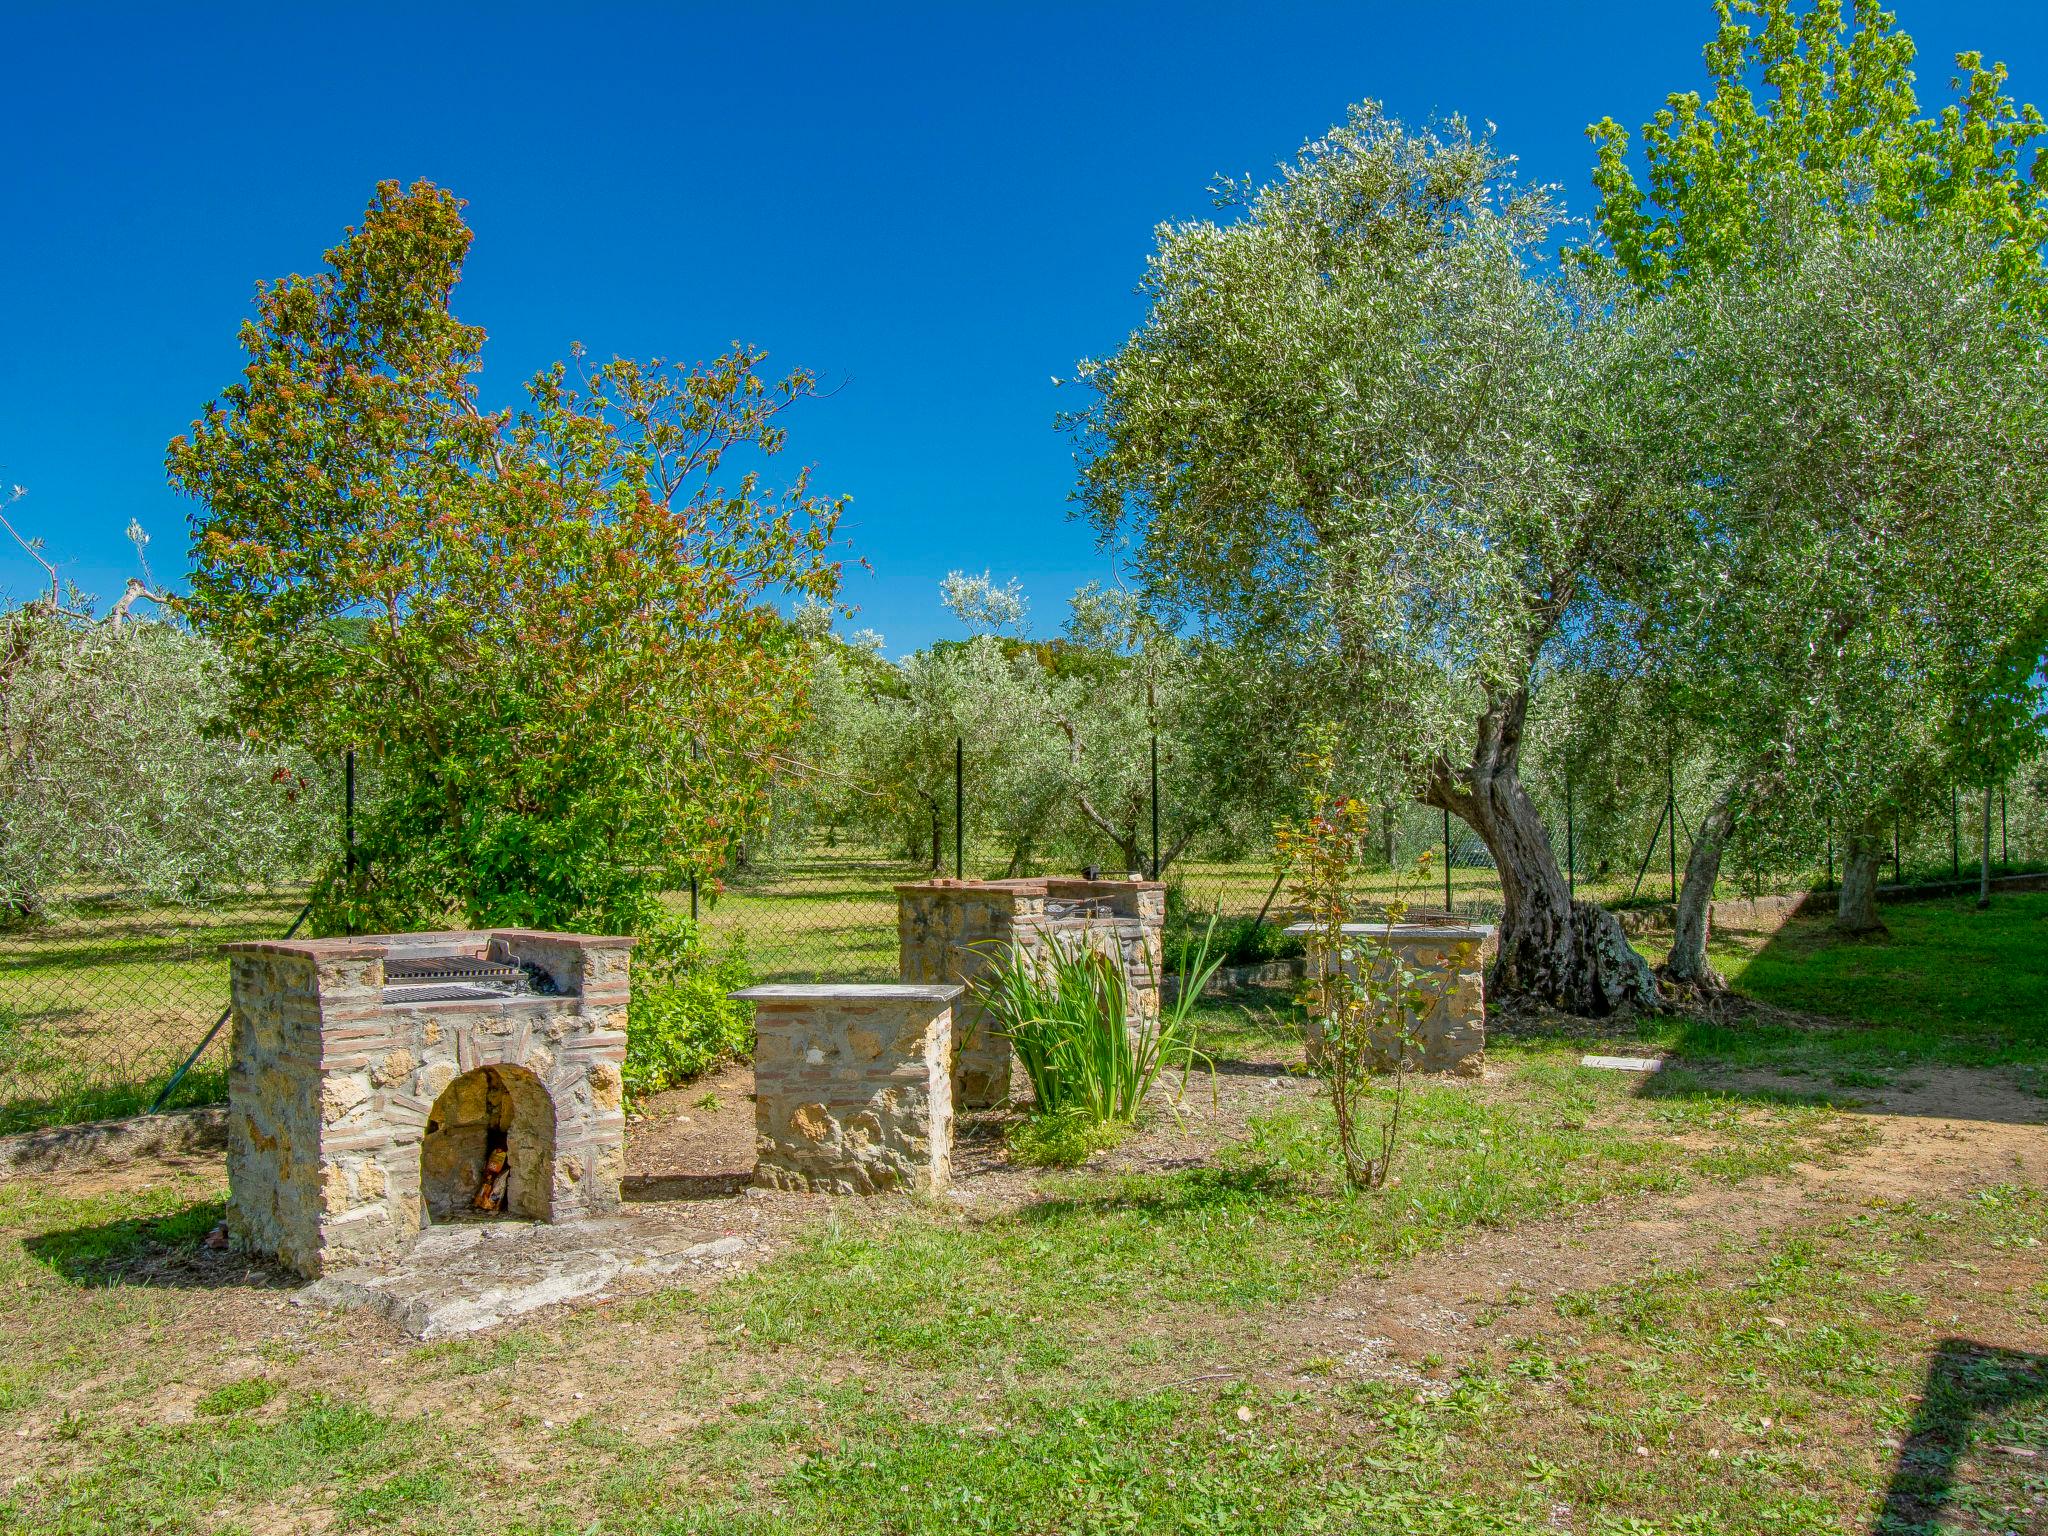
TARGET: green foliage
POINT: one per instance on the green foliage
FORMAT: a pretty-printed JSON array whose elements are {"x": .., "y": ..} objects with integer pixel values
[
  {"x": 1366, "y": 999},
  {"x": 1055, "y": 735},
  {"x": 1232, "y": 940},
  {"x": 681, "y": 1022},
  {"x": 1066, "y": 1139},
  {"x": 113, "y": 772},
  {"x": 238, "y": 1396},
  {"x": 1065, "y": 1010},
  {"x": 550, "y": 631},
  {"x": 1837, "y": 129}
]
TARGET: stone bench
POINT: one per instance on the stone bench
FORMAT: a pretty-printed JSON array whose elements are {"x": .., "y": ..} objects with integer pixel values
[
  {"x": 1453, "y": 1036},
  {"x": 853, "y": 1090}
]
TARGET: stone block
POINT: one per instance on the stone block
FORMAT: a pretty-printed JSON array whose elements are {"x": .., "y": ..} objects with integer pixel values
[
  {"x": 1452, "y": 1037},
  {"x": 954, "y": 930},
  {"x": 853, "y": 1088}
]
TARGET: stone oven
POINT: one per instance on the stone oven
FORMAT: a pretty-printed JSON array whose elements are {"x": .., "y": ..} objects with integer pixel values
[
  {"x": 953, "y": 930},
  {"x": 372, "y": 1079}
]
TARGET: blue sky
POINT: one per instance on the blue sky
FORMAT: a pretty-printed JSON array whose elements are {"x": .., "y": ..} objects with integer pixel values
[{"x": 938, "y": 209}]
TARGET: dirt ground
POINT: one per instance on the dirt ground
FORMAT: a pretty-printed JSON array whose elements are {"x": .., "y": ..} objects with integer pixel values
[{"x": 1934, "y": 1133}]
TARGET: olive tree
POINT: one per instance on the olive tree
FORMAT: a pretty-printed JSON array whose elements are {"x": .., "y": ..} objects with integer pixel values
[
  {"x": 1360, "y": 427},
  {"x": 1857, "y": 437},
  {"x": 1812, "y": 123},
  {"x": 115, "y": 776}
]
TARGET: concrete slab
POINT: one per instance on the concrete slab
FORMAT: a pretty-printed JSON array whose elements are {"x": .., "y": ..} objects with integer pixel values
[
  {"x": 467, "y": 1276},
  {"x": 1624, "y": 1063}
]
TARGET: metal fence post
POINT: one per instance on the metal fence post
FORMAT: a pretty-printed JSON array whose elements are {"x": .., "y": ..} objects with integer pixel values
[
  {"x": 348, "y": 825},
  {"x": 693, "y": 896},
  {"x": 959, "y": 806},
  {"x": 1447, "y": 860},
  {"x": 1155, "y": 805}
]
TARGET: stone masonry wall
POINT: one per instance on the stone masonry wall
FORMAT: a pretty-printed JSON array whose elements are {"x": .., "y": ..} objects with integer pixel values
[
  {"x": 331, "y": 1088},
  {"x": 852, "y": 1092},
  {"x": 1453, "y": 1035},
  {"x": 954, "y": 930}
]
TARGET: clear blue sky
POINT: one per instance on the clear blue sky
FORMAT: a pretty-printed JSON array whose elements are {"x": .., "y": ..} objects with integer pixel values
[{"x": 938, "y": 209}]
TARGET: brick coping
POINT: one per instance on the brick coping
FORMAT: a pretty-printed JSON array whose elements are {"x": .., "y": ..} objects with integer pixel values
[
  {"x": 1406, "y": 930},
  {"x": 370, "y": 946},
  {"x": 850, "y": 991}
]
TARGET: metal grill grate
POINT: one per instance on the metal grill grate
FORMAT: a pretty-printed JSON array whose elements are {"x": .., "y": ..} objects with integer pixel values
[
  {"x": 459, "y": 978},
  {"x": 450, "y": 968}
]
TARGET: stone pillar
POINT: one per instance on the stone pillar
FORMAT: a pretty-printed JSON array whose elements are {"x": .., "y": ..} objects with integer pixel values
[
  {"x": 954, "y": 930},
  {"x": 852, "y": 1089},
  {"x": 1453, "y": 1035}
]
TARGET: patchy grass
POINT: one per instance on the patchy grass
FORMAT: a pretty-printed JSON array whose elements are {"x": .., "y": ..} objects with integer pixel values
[
  {"x": 1186, "y": 1337},
  {"x": 1064, "y": 1140}
]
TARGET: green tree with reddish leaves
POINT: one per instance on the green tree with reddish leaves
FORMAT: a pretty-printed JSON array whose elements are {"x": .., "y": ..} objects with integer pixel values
[{"x": 550, "y": 630}]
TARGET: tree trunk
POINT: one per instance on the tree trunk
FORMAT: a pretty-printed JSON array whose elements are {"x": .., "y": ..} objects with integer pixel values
[
  {"x": 1856, "y": 902},
  {"x": 1569, "y": 954},
  {"x": 1984, "y": 863},
  {"x": 1687, "y": 964}
]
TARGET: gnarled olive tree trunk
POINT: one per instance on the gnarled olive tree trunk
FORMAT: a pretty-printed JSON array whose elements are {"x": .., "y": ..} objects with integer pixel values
[
  {"x": 1686, "y": 964},
  {"x": 1570, "y": 954},
  {"x": 1856, "y": 903}
]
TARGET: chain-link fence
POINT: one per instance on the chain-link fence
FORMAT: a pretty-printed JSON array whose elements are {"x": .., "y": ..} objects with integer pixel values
[{"x": 103, "y": 996}]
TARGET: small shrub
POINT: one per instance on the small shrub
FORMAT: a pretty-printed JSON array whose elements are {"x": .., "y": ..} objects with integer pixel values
[
  {"x": 681, "y": 1023},
  {"x": 1233, "y": 941},
  {"x": 1360, "y": 989},
  {"x": 1063, "y": 1140},
  {"x": 1064, "y": 1010}
]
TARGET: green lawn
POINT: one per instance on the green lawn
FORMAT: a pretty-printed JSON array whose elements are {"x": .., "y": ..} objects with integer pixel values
[{"x": 1948, "y": 984}]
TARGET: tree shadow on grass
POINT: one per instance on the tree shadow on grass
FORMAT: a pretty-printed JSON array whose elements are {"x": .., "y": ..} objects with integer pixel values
[
  {"x": 1968, "y": 1386},
  {"x": 167, "y": 1252},
  {"x": 1181, "y": 1192}
]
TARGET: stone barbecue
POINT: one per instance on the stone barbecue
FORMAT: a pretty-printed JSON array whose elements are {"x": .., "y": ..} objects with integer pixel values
[
  {"x": 953, "y": 930},
  {"x": 1453, "y": 1037},
  {"x": 373, "y": 1079}
]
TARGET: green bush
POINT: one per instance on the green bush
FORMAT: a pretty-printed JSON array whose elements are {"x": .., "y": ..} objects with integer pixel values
[
  {"x": 1237, "y": 941},
  {"x": 1064, "y": 1140},
  {"x": 681, "y": 1023}
]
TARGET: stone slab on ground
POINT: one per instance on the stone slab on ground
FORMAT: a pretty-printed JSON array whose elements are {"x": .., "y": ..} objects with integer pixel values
[
  {"x": 1623, "y": 1063},
  {"x": 180, "y": 1133},
  {"x": 466, "y": 1276}
]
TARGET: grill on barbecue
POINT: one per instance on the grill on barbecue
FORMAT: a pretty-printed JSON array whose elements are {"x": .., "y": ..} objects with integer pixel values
[
  {"x": 1079, "y": 909},
  {"x": 458, "y": 978}
]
